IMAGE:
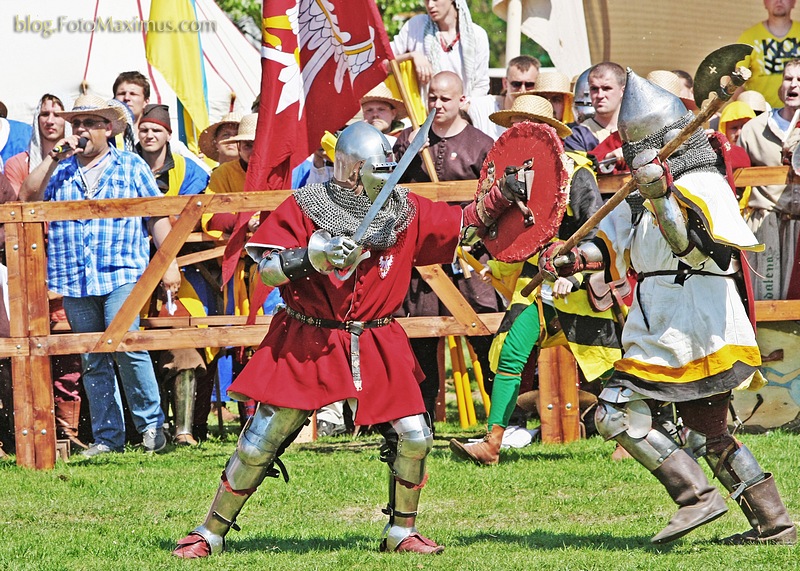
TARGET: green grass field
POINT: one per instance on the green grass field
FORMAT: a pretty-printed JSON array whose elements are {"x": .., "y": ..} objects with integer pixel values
[{"x": 544, "y": 507}]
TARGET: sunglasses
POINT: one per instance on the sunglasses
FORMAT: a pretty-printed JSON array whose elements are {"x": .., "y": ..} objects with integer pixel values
[
  {"x": 517, "y": 85},
  {"x": 87, "y": 123}
]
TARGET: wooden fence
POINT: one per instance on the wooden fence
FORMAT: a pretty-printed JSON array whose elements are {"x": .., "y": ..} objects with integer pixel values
[{"x": 33, "y": 341}]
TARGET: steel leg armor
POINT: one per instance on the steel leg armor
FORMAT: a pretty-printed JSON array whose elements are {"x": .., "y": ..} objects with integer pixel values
[
  {"x": 625, "y": 416},
  {"x": 183, "y": 398},
  {"x": 408, "y": 442},
  {"x": 264, "y": 438}
]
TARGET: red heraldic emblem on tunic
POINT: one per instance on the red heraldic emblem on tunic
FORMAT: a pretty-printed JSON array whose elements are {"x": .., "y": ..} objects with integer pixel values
[{"x": 518, "y": 236}]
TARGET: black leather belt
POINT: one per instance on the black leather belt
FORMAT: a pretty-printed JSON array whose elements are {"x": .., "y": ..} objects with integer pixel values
[{"x": 355, "y": 328}]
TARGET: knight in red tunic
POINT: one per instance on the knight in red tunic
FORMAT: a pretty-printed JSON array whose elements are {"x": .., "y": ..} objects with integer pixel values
[{"x": 336, "y": 339}]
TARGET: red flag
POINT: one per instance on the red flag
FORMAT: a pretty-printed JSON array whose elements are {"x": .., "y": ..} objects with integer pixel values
[{"x": 319, "y": 57}]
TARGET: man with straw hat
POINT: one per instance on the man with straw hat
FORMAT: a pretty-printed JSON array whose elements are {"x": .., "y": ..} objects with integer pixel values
[
  {"x": 211, "y": 139},
  {"x": 555, "y": 87},
  {"x": 522, "y": 73},
  {"x": 384, "y": 111},
  {"x": 519, "y": 331},
  {"x": 96, "y": 278}
]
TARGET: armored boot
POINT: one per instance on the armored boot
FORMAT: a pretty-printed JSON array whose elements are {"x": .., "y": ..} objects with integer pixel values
[
  {"x": 408, "y": 442},
  {"x": 484, "y": 453},
  {"x": 265, "y": 437},
  {"x": 698, "y": 501},
  {"x": 756, "y": 494},
  {"x": 183, "y": 399},
  {"x": 68, "y": 414}
]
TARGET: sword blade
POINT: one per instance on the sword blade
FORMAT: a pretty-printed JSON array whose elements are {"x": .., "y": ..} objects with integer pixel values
[{"x": 415, "y": 147}]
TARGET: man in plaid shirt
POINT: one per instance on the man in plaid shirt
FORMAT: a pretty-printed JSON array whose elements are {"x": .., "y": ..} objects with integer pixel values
[{"x": 95, "y": 263}]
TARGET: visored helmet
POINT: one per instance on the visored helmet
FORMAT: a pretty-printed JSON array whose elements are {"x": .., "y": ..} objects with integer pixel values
[
  {"x": 363, "y": 156},
  {"x": 582, "y": 103}
]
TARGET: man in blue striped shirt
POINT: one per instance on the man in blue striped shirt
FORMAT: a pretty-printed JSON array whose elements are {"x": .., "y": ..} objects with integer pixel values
[{"x": 95, "y": 263}]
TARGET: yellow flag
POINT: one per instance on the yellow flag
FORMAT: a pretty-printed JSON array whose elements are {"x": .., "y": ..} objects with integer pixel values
[
  {"x": 418, "y": 109},
  {"x": 173, "y": 47}
]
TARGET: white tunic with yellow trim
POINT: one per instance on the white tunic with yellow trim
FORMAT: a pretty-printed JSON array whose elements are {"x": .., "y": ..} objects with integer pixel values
[{"x": 679, "y": 334}]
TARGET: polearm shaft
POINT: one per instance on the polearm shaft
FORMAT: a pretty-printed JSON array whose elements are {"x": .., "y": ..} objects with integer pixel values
[{"x": 712, "y": 105}]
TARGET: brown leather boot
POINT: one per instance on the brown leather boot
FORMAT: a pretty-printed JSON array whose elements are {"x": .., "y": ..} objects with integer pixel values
[
  {"x": 762, "y": 503},
  {"x": 698, "y": 501},
  {"x": 484, "y": 453},
  {"x": 68, "y": 414}
]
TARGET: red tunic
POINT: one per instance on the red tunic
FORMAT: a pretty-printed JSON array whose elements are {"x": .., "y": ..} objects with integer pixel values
[{"x": 305, "y": 367}]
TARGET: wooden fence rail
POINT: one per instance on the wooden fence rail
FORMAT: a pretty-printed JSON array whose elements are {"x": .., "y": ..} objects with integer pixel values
[{"x": 33, "y": 341}]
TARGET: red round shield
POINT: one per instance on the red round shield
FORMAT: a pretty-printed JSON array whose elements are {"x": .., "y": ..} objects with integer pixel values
[{"x": 516, "y": 241}]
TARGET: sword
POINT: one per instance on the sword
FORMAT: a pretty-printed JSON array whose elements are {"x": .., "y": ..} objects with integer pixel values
[{"x": 415, "y": 147}]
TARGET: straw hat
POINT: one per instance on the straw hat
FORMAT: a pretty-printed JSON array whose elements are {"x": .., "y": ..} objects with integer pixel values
[
  {"x": 206, "y": 141},
  {"x": 754, "y": 99},
  {"x": 382, "y": 93},
  {"x": 672, "y": 83},
  {"x": 247, "y": 129},
  {"x": 533, "y": 107},
  {"x": 88, "y": 104},
  {"x": 552, "y": 81}
]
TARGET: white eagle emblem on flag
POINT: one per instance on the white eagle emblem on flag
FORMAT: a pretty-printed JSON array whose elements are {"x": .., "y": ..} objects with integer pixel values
[{"x": 317, "y": 28}]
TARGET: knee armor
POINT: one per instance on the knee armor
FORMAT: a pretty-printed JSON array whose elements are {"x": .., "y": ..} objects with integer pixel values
[
  {"x": 627, "y": 418},
  {"x": 267, "y": 434},
  {"x": 408, "y": 442}
]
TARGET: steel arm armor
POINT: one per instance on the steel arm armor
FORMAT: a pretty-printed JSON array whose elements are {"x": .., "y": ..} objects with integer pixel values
[{"x": 281, "y": 267}]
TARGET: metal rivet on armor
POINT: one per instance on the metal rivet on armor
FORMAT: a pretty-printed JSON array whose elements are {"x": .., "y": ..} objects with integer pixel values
[
  {"x": 569, "y": 406},
  {"x": 16, "y": 246},
  {"x": 19, "y": 346},
  {"x": 109, "y": 341},
  {"x": 473, "y": 324},
  {"x": 33, "y": 246},
  {"x": 13, "y": 213},
  {"x": 38, "y": 345},
  {"x": 44, "y": 431},
  {"x": 25, "y": 432},
  {"x": 33, "y": 211},
  {"x": 199, "y": 203},
  {"x": 549, "y": 407}
]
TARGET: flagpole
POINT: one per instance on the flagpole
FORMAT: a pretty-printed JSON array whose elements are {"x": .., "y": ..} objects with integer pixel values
[{"x": 426, "y": 155}]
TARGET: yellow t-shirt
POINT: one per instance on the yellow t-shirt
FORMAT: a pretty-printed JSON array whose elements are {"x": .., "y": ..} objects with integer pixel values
[{"x": 768, "y": 58}]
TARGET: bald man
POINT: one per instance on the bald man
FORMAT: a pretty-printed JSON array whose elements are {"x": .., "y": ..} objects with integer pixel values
[{"x": 458, "y": 150}]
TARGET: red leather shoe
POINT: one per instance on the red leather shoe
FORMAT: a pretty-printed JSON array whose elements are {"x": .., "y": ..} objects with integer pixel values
[
  {"x": 193, "y": 546},
  {"x": 415, "y": 543}
]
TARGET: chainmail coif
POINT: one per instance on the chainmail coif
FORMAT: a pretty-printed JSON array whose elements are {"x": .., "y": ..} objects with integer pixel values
[
  {"x": 695, "y": 154},
  {"x": 339, "y": 211}
]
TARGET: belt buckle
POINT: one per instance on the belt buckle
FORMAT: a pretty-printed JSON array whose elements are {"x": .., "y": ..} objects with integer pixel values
[{"x": 354, "y": 327}]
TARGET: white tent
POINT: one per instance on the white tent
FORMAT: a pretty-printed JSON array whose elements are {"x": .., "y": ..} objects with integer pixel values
[{"x": 37, "y": 62}]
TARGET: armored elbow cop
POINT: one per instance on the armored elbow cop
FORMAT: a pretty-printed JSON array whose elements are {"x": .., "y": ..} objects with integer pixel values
[{"x": 280, "y": 267}]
